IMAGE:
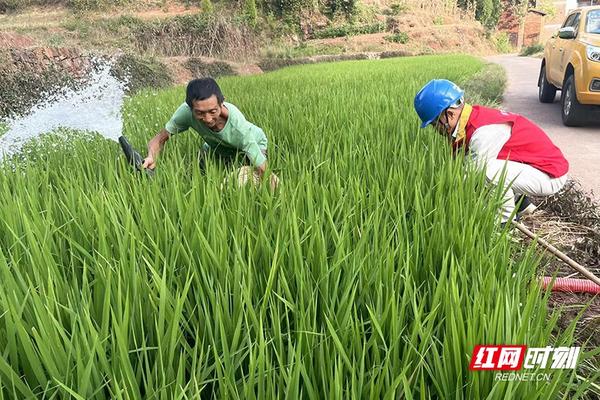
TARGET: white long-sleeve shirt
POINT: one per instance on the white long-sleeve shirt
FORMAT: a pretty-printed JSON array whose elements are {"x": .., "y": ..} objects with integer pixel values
[{"x": 487, "y": 141}]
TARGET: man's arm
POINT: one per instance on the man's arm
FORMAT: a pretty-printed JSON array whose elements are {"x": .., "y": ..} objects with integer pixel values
[
  {"x": 155, "y": 145},
  {"x": 256, "y": 156},
  {"x": 487, "y": 142}
]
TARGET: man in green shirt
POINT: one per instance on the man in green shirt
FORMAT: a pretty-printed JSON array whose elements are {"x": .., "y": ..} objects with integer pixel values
[{"x": 225, "y": 130}]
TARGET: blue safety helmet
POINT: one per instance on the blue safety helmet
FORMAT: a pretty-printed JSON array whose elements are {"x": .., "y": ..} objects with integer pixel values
[{"x": 435, "y": 97}]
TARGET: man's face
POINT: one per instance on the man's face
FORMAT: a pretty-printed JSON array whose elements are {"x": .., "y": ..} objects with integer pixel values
[
  {"x": 207, "y": 111},
  {"x": 447, "y": 121},
  {"x": 441, "y": 124}
]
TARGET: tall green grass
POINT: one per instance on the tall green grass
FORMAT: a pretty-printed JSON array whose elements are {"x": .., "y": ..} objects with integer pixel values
[{"x": 371, "y": 273}]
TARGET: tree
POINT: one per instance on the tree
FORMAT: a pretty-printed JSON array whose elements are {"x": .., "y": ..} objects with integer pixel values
[
  {"x": 206, "y": 6},
  {"x": 250, "y": 11},
  {"x": 290, "y": 9},
  {"x": 486, "y": 11}
]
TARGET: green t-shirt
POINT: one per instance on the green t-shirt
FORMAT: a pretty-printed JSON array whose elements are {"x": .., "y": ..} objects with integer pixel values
[{"x": 237, "y": 135}]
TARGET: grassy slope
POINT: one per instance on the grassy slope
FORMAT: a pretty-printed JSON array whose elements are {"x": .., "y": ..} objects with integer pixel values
[
  {"x": 427, "y": 30},
  {"x": 372, "y": 272}
]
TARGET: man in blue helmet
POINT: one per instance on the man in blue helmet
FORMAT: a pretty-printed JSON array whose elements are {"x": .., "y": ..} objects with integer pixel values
[{"x": 510, "y": 148}]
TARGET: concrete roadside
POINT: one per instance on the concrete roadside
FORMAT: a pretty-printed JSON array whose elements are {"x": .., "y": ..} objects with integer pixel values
[{"x": 581, "y": 145}]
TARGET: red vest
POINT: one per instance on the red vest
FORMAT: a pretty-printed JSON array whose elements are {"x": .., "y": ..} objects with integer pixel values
[{"x": 528, "y": 143}]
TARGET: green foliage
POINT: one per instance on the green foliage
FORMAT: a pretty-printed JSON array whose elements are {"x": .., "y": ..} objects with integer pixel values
[
  {"x": 396, "y": 8},
  {"x": 348, "y": 30},
  {"x": 16, "y": 5},
  {"x": 486, "y": 86},
  {"x": 502, "y": 42},
  {"x": 20, "y": 90},
  {"x": 92, "y": 5},
  {"x": 200, "y": 34},
  {"x": 371, "y": 273},
  {"x": 206, "y": 6},
  {"x": 332, "y": 8},
  {"x": 400, "y": 37},
  {"x": 531, "y": 50},
  {"x": 11, "y": 5},
  {"x": 488, "y": 12},
  {"x": 200, "y": 68},
  {"x": 547, "y": 6},
  {"x": 250, "y": 11},
  {"x": 287, "y": 9},
  {"x": 364, "y": 14},
  {"x": 141, "y": 72},
  {"x": 56, "y": 40}
]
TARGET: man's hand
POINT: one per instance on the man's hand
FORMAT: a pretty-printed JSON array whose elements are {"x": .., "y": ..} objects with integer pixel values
[
  {"x": 273, "y": 180},
  {"x": 149, "y": 163},
  {"x": 261, "y": 169},
  {"x": 154, "y": 148}
]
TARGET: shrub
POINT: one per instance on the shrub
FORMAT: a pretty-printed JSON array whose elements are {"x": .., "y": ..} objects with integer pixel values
[
  {"x": 348, "y": 30},
  {"x": 530, "y": 50},
  {"x": 200, "y": 68},
  {"x": 396, "y": 9},
  {"x": 395, "y": 54},
  {"x": 207, "y": 6},
  {"x": 15, "y": 5},
  {"x": 141, "y": 72},
  {"x": 502, "y": 42},
  {"x": 20, "y": 90},
  {"x": 486, "y": 86},
  {"x": 250, "y": 11},
  {"x": 11, "y": 5},
  {"x": 400, "y": 37},
  {"x": 209, "y": 35},
  {"x": 92, "y": 5}
]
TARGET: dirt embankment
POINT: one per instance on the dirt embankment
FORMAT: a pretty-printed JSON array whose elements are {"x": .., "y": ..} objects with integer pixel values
[
  {"x": 70, "y": 60},
  {"x": 174, "y": 44},
  {"x": 30, "y": 71},
  {"x": 414, "y": 33}
]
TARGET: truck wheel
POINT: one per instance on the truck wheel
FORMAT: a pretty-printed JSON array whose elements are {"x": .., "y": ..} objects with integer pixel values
[
  {"x": 572, "y": 111},
  {"x": 547, "y": 91}
]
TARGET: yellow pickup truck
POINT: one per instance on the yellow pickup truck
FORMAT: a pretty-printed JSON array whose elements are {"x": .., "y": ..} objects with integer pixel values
[{"x": 571, "y": 64}]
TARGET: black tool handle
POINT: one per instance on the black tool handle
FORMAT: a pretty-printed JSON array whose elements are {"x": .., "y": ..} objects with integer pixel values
[{"x": 133, "y": 157}]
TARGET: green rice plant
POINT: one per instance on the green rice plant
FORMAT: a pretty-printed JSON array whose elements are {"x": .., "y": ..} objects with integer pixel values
[{"x": 371, "y": 273}]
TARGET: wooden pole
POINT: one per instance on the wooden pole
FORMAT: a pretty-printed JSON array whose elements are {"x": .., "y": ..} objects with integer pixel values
[{"x": 559, "y": 254}]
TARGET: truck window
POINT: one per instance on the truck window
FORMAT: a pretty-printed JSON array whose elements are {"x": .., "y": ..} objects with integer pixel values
[
  {"x": 593, "y": 22},
  {"x": 569, "y": 21}
]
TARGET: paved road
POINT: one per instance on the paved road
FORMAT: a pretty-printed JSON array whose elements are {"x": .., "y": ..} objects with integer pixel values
[{"x": 581, "y": 146}]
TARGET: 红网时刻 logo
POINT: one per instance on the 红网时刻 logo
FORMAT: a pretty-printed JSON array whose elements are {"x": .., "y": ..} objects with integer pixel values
[{"x": 520, "y": 357}]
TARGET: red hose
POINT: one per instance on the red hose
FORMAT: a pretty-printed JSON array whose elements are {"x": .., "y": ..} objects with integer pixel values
[{"x": 571, "y": 285}]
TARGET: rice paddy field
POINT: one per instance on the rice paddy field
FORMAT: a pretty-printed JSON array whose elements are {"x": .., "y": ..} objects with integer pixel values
[{"x": 371, "y": 272}]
